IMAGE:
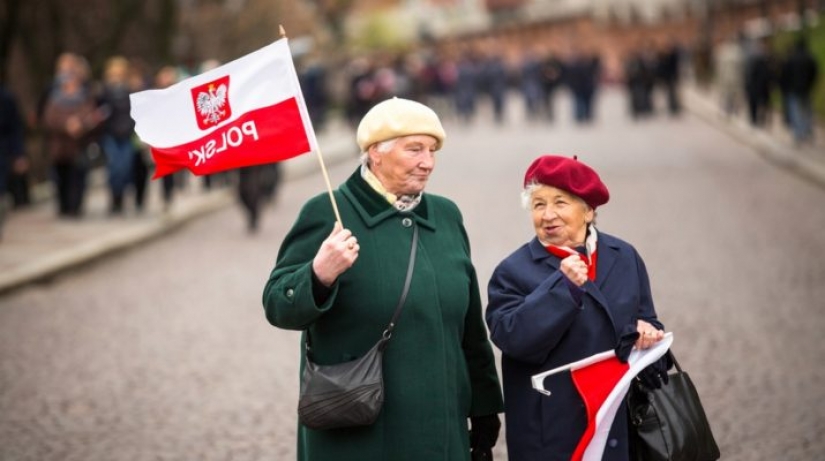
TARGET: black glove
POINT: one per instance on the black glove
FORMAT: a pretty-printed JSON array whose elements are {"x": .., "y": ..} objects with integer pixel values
[
  {"x": 655, "y": 374},
  {"x": 483, "y": 436}
]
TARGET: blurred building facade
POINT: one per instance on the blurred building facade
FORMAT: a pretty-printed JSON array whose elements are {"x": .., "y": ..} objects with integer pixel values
[{"x": 613, "y": 27}]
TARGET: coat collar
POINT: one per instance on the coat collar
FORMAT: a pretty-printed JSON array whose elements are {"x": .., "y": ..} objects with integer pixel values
[
  {"x": 608, "y": 249},
  {"x": 373, "y": 208}
]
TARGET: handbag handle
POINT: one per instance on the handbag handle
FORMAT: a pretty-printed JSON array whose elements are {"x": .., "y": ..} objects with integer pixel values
[
  {"x": 388, "y": 332},
  {"x": 675, "y": 362}
]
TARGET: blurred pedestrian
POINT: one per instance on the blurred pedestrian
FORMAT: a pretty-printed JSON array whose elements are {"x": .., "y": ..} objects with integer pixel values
[
  {"x": 313, "y": 79},
  {"x": 341, "y": 285},
  {"x": 495, "y": 81},
  {"x": 164, "y": 78},
  {"x": 760, "y": 78},
  {"x": 250, "y": 192},
  {"x": 669, "y": 72},
  {"x": 532, "y": 84},
  {"x": 70, "y": 117},
  {"x": 362, "y": 89},
  {"x": 582, "y": 77},
  {"x": 730, "y": 75},
  {"x": 640, "y": 79},
  {"x": 800, "y": 72},
  {"x": 552, "y": 73},
  {"x": 442, "y": 75},
  {"x": 568, "y": 293},
  {"x": 118, "y": 130},
  {"x": 257, "y": 185},
  {"x": 139, "y": 80},
  {"x": 18, "y": 166},
  {"x": 12, "y": 147},
  {"x": 466, "y": 87}
]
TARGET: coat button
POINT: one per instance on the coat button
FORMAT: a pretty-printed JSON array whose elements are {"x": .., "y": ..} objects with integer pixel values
[
  {"x": 612, "y": 443},
  {"x": 290, "y": 292},
  {"x": 406, "y": 222}
]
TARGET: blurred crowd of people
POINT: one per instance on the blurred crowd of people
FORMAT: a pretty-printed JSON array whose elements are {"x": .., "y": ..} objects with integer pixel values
[
  {"x": 85, "y": 123},
  {"x": 648, "y": 67},
  {"x": 749, "y": 71},
  {"x": 457, "y": 84},
  {"x": 82, "y": 124}
]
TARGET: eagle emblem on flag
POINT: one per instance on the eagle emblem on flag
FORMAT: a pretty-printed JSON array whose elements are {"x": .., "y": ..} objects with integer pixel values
[
  {"x": 211, "y": 102},
  {"x": 249, "y": 111}
]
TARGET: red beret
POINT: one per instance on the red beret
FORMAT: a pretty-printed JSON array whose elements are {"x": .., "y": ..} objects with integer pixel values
[{"x": 568, "y": 174}]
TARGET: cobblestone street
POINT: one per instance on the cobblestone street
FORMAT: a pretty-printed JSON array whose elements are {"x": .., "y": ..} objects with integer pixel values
[{"x": 162, "y": 352}]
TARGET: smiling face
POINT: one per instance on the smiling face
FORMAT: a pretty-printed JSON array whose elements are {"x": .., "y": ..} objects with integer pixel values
[
  {"x": 406, "y": 167},
  {"x": 559, "y": 218}
]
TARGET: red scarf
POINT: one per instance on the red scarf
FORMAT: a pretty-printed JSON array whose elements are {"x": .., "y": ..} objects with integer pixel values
[{"x": 590, "y": 247}]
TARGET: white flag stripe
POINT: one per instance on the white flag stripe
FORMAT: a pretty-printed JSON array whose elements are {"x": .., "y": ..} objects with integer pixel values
[
  {"x": 167, "y": 117},
  {"x": 538, "y": 379},
  {"x": 638, "y": 360}
]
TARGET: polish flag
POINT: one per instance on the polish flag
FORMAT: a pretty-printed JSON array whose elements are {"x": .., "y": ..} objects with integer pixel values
[
  {"x": 247, "y": 112},
  {"x": 602, "y": 382}
]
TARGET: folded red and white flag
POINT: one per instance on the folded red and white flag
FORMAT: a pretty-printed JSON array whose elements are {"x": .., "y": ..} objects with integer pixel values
[
  {"x": 602, "y": 382},
  {"x": 247, "y": 112}
]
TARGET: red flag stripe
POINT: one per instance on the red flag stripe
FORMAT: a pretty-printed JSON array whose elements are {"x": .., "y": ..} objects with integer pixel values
[
  {"x": 594, "y": 383},
  {"x": 266, "y": 135}
]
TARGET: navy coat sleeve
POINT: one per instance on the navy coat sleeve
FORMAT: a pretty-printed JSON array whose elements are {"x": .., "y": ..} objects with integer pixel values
[{"x": 521, "y": 324}]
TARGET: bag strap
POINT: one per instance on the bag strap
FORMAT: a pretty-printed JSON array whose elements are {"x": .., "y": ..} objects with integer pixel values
[
  {"x": 675, "y": 362},
  {"x": 388, "y": 332}
]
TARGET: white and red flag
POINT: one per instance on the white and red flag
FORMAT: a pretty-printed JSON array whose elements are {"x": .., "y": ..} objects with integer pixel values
[
  {"x": 247, "y": 112},
  {"x": 602, "y": 381}
]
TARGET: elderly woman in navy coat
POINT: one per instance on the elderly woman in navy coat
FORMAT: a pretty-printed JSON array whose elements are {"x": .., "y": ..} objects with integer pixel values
[{"x": 568, "y": 293}]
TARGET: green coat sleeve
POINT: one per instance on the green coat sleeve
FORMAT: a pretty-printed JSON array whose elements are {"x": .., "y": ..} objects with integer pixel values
[{"x": 287, "y": 296}]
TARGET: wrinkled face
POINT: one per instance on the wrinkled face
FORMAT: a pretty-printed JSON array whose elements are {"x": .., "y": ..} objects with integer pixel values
[
  {"x": 559, "y": 217},
  {"x": 405, "y": 169}
]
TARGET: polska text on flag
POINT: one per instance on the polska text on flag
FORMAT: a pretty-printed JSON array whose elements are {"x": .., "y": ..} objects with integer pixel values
[
  {"x": 247, "y": 112},
  {"x": 602, "y": 381}
]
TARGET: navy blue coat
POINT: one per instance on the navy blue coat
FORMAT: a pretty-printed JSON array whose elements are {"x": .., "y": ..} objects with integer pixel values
[{"x": 538, "y": 326}]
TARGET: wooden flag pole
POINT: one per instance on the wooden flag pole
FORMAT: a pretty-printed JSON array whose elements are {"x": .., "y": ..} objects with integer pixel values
[{"x": 320, "y": 158}]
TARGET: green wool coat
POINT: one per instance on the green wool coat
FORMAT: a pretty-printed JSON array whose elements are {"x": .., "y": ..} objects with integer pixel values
[{"x": 438, "y": 367}]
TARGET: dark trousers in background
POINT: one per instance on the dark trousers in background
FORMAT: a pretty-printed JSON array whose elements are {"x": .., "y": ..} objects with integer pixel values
[
  {"x": 168, "y": 183},
  {"x": 257, "y": 185},
  {"x": 18, "y": 184},
  {"x": 70, "y": 184},
  {"x": 674, "y": 103},
  {"x": 250, "y": 192},
  {"x": 140, "y": 178}
]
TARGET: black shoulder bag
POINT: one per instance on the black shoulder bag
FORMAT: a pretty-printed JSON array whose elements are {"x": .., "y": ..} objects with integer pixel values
[
  {"x": 351, "y": 393},
  {"x": 669, "y": 423}
]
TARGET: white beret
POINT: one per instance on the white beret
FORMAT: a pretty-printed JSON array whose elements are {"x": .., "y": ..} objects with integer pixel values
[{"x": 397, "y": 117}]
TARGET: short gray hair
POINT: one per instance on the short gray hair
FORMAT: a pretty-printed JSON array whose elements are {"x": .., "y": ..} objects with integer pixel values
[
  {"x": 382, "y": 147},
  {"x": 528, "y": 192}
]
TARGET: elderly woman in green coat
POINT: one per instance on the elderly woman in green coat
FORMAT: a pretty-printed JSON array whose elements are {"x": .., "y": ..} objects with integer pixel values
[{"x": 341, "y": 283}]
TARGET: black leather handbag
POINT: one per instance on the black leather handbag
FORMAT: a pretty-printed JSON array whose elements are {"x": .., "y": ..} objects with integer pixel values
[
  {"x": 669, "y": 423},
  {"x": 351, "y": 393}
]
